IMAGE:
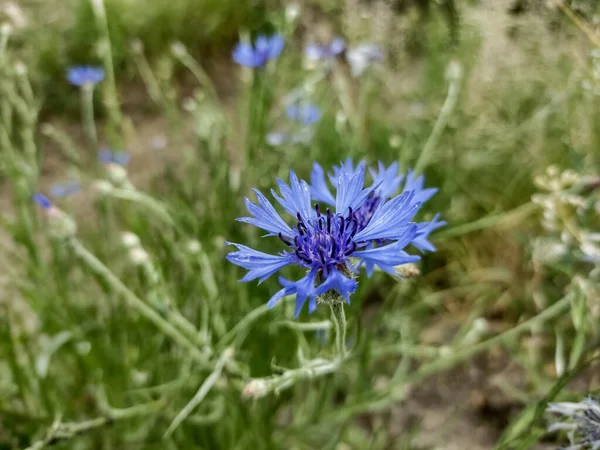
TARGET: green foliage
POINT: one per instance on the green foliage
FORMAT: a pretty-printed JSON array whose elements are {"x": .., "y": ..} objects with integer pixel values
[{"x": 105, "y": 337}]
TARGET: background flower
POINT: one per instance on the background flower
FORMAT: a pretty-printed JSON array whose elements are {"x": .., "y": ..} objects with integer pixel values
[
  {"x": 265, "y": 48},
  {"x": 85, "y": 75}
]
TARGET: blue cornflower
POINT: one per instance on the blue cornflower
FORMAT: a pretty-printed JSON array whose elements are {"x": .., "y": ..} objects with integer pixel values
[
  {"x": 264, "y": 49},
  {"x": 316, "y": 52},
  {"x": 42, "y": 200},
  {"x": 305, "y": 114},
  {"x": 107, "y": 156},
  {"x": 582, "y": 422},
  {"x": 387, "y": 181},
  {"x": 64, "y": 189},
  {"x": 329, "y": 244},
  {"x": 85, "y": 75}
]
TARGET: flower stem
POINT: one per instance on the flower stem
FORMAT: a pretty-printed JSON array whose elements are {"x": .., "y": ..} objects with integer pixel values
[
  {"x": 87, "y": 113},
  {"x": 440, "y": 125},
  {"x": 136, "y": 303},
  {"x": 339, "y": 321}
]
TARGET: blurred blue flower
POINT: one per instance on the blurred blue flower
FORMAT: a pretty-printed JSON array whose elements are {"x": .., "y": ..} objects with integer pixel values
[
  {"x": 42, "y": 200},
  {"x": 85, "y": 75},
  {"x": 64, "y": 189},
  {"x": 386, "y": 182},
  {"x": 264, "y": 49},
  {"x": 316, "y": 52},
  {"x": 324, "y": 242},
  {"x": 302, "y": 136},
  {"x": 362, "y": 56},
  {"x": 107, "y": 156},
  {"x": 582, "y": 422},
  {"x": 306, "y": 114}
]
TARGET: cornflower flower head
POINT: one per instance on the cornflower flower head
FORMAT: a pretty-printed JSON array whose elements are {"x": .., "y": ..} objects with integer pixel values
[
  {"x": 85, "y": 75},
  {"x": 362, "y": 56},
  {"x": 304, "y": 113},
  {"x": 107, "y": 156},
  {"x": 60, "y": 224},
  {"x": 387, "y": 181},
  {"x": 43, "y": 201},
  {"x": 115, "y": 163},
  {"x": 582, "y": 423},
  {"x": 328, "y": 243},
  {"x": 64, "y": 189},
  {"x": 316, "y": 52},
  {"x": 264, "y": 49}
]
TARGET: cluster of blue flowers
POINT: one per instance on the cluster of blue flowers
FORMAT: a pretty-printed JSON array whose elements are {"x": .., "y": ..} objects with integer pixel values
[
  {"x": 69, "y": 188},
  {"x": 363, "y": 227},
  {"x": 266, "y": 48},
  {"x": 303, "y": 115}
]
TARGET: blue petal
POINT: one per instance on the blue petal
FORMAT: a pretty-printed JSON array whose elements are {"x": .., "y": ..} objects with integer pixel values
[
  {"x": 244, "y": 55},
  {"x": 303, "y": 288},
  {"x": 318, "y": 187},
  {"x": 424, "y": 229},
  {"x": 306, "y": 114},
  {"x": 416, "y": 185},
  {"x": 349, "y": 187},
  {"x": 276, "y": 44},
  {"x": 347, "y": 165},
  {"x": 337, "y": 46},
  {"x": 261, "y": 44},
  {"x": 388, "y": 256},
  {"x": 82, "y": 75},
  {"x": 41, "y": 200},
  {"x": 295, "y": 199},
  {"x": 313, "y": 51},
  {"x": 335, "y": 280},
  {"x": 388, "y": 179},
  {"x": 265, "y": 216},
  {"x": 259, "y": 265},
  {"x": 63, "y": 190},
  {"x": 391, "y": 219},
  {"x": 105, "y": 156},
  {"x": 121, "y": 158}
]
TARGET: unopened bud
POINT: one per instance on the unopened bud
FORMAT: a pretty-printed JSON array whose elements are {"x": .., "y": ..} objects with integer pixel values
[
  {"x": 193, "y": 246},
  {"x": 139, "y": 256},
  {"x": 256, "y": 388},
  {"x": 292, "y": 11},
  {"x": 117, "y": 174},
  {"x": 130, "y": 240},
  {"x": 60, "y": 225},
  {"x": 178, "y": 49},
  {"x": 454, "y": 71},
  {"x": 103, "y": 187}
]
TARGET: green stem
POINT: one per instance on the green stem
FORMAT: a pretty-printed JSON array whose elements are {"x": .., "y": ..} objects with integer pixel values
[
  {"x": 111, "y": 98},
  {"x": 66, "y": 431},
  {"x": 339, "y": 320},
  {"x": 87, "y": 114},
  {"x": 440, "y": 124},
  {"x": 397, "y": 389},
  {"x": 166, "y": 327},
  {"x": 202, "y": 392}
]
